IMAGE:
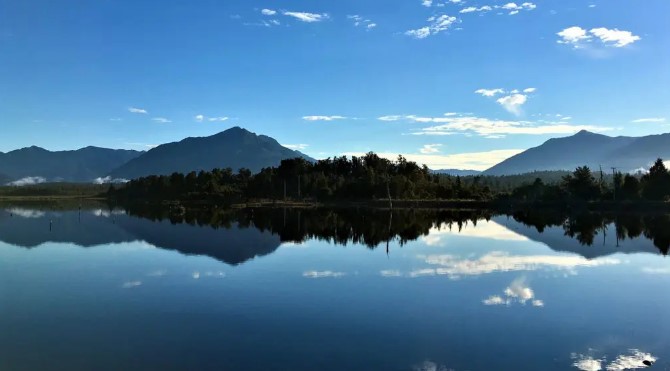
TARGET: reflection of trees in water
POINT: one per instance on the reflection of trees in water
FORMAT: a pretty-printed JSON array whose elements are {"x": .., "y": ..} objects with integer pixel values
[
  {"x": 370, "y": 227},
  {"x": 584, "y": 227},
  {"x": 373, "y": 227}
]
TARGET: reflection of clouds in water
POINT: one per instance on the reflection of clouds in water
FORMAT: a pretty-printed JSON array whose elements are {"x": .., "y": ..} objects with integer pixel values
[
  {"x": 430, "y": 366},
  {"x": 455, "y": 267},
  {"x": 217, "y": 274},
  {"x": 483, "y": 229},
  {"x": 588, "y": 364},
  {"x": 503, "y": 262},
  {"x": 26, "y": 213},
  {"x": 517, "y": 291},
  {"x": 213, "y": 274},
  {"x": 322, "y": 274},
  {"x": 107, "y": 213},
  {"x": 390, "y": 273},
  {"x": 633, "y": 360},
  {"x": 650, "y": 270},
  {"x": 131, "y": 284},
  {"x": 157, "y": 273}
]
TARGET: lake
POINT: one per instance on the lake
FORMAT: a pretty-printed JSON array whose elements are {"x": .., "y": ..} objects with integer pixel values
[{"x": 319, "y": 289}]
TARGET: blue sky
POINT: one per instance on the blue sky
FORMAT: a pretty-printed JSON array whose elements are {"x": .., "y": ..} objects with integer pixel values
[{"x": 451, "y": 83}]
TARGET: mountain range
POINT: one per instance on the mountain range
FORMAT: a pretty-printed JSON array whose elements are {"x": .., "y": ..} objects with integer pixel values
[
  {"x": 235, "y": 148},
  {"x": 35, "y": 164},
  {"x": 627, "y": 154},
  {"x": 239, "y": 148}
]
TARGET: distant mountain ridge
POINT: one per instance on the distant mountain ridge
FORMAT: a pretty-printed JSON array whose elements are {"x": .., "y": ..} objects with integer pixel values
[
  {"x": 585, "y": 148},
  {"x": 82, "y": 165},
  {"x": 235, "y": 148}
]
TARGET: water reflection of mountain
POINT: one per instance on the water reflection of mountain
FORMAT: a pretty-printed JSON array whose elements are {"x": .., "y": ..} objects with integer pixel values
[
  {"x": 235, "y": 236},
  {"x": 232, "y": 244}
]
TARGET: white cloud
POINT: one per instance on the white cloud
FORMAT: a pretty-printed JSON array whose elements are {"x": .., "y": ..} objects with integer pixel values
[
  {"x": 390, "y": 118},
  {"x": 219, "y": 119},
  {"x": 298, "y": 147},
  {"x": 650, "y": 119},
  {"x": 430, "y": 148},
  {"x": 307, "y": 17},
  {"x": 513, "y": 103},
  {"x": 579, "y": 37},
  {"x": 137, "y": 110},
  {"x": 615, "y": 37},
  {"x": 323, "y": 274},
  {"x": 529, "y": 90},
  {"x": 201, "y": 118},
  {"x": 518, "y": 291},
  {"x": 495, "y": 128},
  {"x": 472, "y": 161},
  {"x": 323, "y": 118},
  {"x": 29, "y": 180},
  {"x": 490, "y": 92},
  {"x": 268, "y": 12},
  {"x": 162, "y": 120},
  {"x": 26, "y": 213},
  {"x": 471, "y": 9},
  {"x": 436, "y": 24},
  {"x": 427, "y": 3}
]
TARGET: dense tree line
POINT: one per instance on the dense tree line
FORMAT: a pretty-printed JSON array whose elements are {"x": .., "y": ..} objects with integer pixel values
[
  {"x": 371, "y": 177},
  {"x": 584, "y": 185},
  {"x": 356, "y": 178}
]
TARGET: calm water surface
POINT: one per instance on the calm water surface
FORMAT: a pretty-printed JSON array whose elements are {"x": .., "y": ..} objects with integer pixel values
[{"x": 101, "y": 289}]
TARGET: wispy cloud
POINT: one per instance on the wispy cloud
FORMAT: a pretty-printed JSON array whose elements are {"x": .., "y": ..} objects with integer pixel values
[
  {"x": 436, "y": 25},
  {"x": 268, "y": 12},
  {"x": 490, "y": 128},
  {"x": 137, "y": 110},
  {"x": 162, "y": 120},
  {"x": 307, "y": 17},
  {"x": 201, "y": 118},
  {"x": 512, "y": 103},
  {"x": 580, "y": 38},
  {"x": 430, "y": 148},
  {"x": 649, "y": 120},
  {"x": 360, "y": 21},
  {"x": 323, "y": 118},
  {"x": 513, "y": 99},
  {"x": 490, "y": 92}
]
